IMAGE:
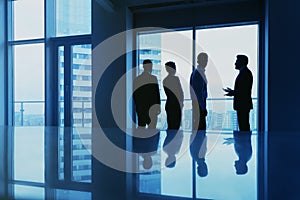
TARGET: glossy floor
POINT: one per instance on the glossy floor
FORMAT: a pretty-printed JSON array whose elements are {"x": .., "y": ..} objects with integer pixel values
[{"x": 57, "y": 163}]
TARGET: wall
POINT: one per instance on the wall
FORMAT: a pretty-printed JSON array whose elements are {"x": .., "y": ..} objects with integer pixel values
[
  {"x": 189, "y": 16},
  {"x": 283, "y": 98},
  {"x": 284, "y": 95},
  {"x": 107, "y": 71}
]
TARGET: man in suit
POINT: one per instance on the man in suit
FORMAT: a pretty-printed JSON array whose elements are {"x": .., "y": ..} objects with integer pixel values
[
  {"x": 198, "y": 90},
  {"x": 146, "y": 96},
  {"x": 242, "y": 101}
]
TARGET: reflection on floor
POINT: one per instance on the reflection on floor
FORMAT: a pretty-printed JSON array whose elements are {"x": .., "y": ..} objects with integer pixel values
[{"x": 56, "y": 163}]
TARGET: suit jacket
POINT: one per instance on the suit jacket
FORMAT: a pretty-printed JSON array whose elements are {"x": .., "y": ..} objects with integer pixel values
[
  {"x": 173, "y": 90},
  {"x": 198, "y": 88},
  {"x": 146, "y": 92},
  {"x": 242, "y": 90}
]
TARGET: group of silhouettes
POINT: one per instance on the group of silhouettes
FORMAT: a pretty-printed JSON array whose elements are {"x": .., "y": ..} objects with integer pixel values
[{"x": 146, "y": 97}]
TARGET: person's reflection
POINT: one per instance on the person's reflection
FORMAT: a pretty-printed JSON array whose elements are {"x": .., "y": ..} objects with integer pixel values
[
  {"x": 145, "y": 143},
  {"x": 198, "y": 149},
  {"x": 172, "y": 146},
  {"x": 243, "y": 149}
]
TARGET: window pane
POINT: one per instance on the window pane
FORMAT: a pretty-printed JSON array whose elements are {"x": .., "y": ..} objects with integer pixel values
[
  {"x": 28, "y": 192},
  {"x": 82, "y": 85},
  {"x": 176, "y": 46},
  {"x": 73, "y": 17},
  {"x": 81, "y": 155},
  {"x": 29, "y": 84},
  {"x": 61, "y": 82},
  {"x": 222, "y": 45},
  {"x": 28, "y": 158},
  {"x": 28, "y": 19},
  {"x": 72, "y": 194},
  {"x": 81, "y": 112}
]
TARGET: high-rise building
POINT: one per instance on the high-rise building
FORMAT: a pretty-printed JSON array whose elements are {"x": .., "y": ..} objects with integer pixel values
[{"x": 74, "y": 19}]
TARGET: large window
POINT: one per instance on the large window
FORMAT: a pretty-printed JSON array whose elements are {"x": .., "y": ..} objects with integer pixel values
[
  {"x": 164, "y": 47},
  {"x": 29, "y": 87},
  {"x": 27, "y": 41},
  {"x": 222, "y": 45},
  {"x": 40, "y": 33}
]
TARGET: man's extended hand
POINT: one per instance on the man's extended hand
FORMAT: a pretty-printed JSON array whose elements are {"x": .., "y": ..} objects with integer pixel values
[{"x": 229, "y": 91}]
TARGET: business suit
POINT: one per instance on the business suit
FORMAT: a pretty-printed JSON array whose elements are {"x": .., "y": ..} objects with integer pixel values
[
  {"x": 198, "y": 91},
  {"x": 242, "y": 101},
  {"x": 146, "y": 95},
  {"x": 174, "y": 103},
  {"x": 198, "y": 149},
  {"x": 243, "y": 149}
]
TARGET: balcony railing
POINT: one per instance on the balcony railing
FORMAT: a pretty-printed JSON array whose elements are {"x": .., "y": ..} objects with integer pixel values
[
  {"x": 221, "y": 115},
  {"x": 31, "y": 113}
]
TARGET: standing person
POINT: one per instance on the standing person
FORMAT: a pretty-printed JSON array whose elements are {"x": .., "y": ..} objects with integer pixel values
[
  {"x": 243, "y": 149},
  {"x": 242, "y": 101},
  {"x": 198, "y": 90},
  {"x": 173, "y": 90},
  {"x": 146, "y": 97},
  {"x": 198, "y": 149}
]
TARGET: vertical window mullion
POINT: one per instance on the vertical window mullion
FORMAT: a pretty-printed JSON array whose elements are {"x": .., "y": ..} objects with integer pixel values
[{"x": 67, "y": 114}]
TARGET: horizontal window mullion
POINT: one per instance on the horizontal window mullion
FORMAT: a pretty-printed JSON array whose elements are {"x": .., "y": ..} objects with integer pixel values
[{"x": 31, "y": 41}]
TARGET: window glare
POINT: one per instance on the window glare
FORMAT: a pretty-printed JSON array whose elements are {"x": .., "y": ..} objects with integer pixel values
[
  {"x": 26, "y": 23},
  {"x": 29, "y": 58}
]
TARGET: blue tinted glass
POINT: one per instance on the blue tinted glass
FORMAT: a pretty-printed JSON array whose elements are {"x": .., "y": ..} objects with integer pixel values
[
  {"x": 29, "y": 87},
  {"x": 73, "y": 17},
  {"x": 28, "y": 158},
  {"x": 28, "y": 192}
]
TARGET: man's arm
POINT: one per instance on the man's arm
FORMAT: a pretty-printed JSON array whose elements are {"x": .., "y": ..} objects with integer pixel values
[{"x": 198, "y": 85}]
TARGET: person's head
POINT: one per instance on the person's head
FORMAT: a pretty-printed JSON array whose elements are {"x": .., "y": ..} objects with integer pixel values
[
  {"x": 241, "y": 61},
  {"x": 240, "y": 167},
  {"x": 170, "y": 161},
  {"x": 202, "y": 59},
  {"x": 202, "y": 169},
  {"x": 170, "y": 67},
  {"x": 147, "y": 162},
  {"x": 147, "y": 65}
]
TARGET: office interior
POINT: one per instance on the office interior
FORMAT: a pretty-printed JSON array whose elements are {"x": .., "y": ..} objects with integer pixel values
[{"x": 113, "y": 169}]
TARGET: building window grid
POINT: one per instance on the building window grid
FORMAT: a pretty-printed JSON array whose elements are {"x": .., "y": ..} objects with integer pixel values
[{"x": 85, "y": 54}]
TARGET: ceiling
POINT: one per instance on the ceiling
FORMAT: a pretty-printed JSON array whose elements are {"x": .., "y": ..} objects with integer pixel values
[{"x": 150, "y": 4}]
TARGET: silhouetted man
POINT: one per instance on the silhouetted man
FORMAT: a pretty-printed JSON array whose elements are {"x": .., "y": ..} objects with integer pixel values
[
  {"x": 146, "y": 96},
  {"x": 172, "y": 145},
  {"x": 243, "y": 149},
  {"x": 198, "y": 149},
  {"x": 242, "y": 101},
  {"x": 145, "y": 143},
  {"x": 198, "y": 90}
]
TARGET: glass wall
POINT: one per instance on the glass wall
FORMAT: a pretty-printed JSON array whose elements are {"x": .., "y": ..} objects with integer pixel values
[
  {"x": 34, "y": 40},
  {"x": 29, "y": 87},
  {"x": 27, "y": 38},
  {"x": 176, "y": 46},
  {"x": 222, "y": 45}
]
